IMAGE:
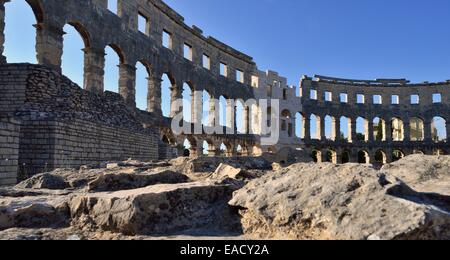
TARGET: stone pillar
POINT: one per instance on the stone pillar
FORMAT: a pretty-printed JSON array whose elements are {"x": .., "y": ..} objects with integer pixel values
[
  {"x": 196, "y": 107},
  {"x": 407, "y": 129},
  {"x": 246, "y": 120},
  {"x": 388, "y": 127},
  {"x": 175, "y": 94},
  {"x": 127, "y": 84},
  {"x": 154, "y": 95},
  {"x": 307, "y": 129},
  {"x": 2, "y": 31},
  {"x": 49, "y": 45},
  {"x": 338, "y": 130},
  {"x": 352, "y": 136},
  {"x": 94, "y": 64},
  {"x": 370, "y": 131},
  {"x": 427, "y": 131},
  {"x": 447, "y": 126},
  {"x": 322, "y": 135}
]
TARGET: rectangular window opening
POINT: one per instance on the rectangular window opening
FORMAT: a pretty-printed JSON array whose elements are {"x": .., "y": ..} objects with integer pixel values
[
  {"x": 206, "y": 62},
  {"x": 255, "y": 81},
  {"x": 223, "y": 69},
  {"x": 143, "y": 24},
  {"x": 167, "y": 40},
  {"x": 343, "y": 97},
  {"x": 328, "y": 96},
  {"x": 377, "y": 99},
  {"x": 113, "y": 6},
  {"x": 395, "y": 100},
  {"x": 360, "y": 99},
  {"x": 415, "y": 99},
  {"x": 313, "y": 95},
  {"x": 240, "y": 76},
  {"x": 437, "y": 98},
  {"x": 187, "y": 52}
]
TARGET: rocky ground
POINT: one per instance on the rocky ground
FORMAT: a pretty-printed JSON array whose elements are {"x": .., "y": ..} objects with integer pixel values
[{"x": 212, "y": 198}]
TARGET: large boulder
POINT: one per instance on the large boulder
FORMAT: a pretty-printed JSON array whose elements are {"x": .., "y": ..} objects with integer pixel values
[
  {"x": 325, "y": 201},
  {"x": 39, "y": 211},
  {"x": 423, "y": 173},
  {"x": 157, "y": 210}
]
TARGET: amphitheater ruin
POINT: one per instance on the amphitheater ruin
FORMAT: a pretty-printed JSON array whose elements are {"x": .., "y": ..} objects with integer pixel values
[{"x": 47, "y": 121}]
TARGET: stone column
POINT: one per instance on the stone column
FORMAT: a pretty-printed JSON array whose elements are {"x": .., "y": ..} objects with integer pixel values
[
  {"x": 214, "y": 112},
  {"x": 407, "y": 129},
  {"x": 154, "y": 95},
  {"x": 94, "y": 64},
  {"x": 447, "y": 126},
  {"x": 127, "y": 84},
  {"x": 49, "y": 45},
  {"x": 2, "y": 31},
  {"x": 322, "y": 135},
  {"x": 427, "y": 131},
  {"x": 175, "y": 94},
  {"x": 307, "y": 129},
  {"x": 352, "y": 136},
  {"x": 196, "y": 107},
  {"x": 246, "y": 120},
  {"x": 338, "y": 130},
  {"x": 370, "y": 131}
]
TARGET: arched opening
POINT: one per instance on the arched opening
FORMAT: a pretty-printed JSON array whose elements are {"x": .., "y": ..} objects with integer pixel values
[
  {"x": 331, "y": 157},
  {"x": 397, "y": 155},
  {"x": 187, "y": 102},
  {"x": 20, "y": 35},
  {"x": 187, "y": 148},
  {"x": 315, "y": 127},
  {"x": 398, "y": 131},
  {"x": 206, "y": 148},
  {"x": 345, "y": 157},
  {"x": 316, "y": 156},
  {"x": 299, "y": 125},
  {"x": 379, "y": 129},
  {"x": 240, "y": 117},
  {"x": 143, "y": 73},
  {"x": 363, "y": 157},
  {"x": 167, "y": 86},
  {"x": 380, "y": 157},
  {"x": 330, "y": 128},
  {"x": 416, "y": 129},
  {"x": 239, "y": 150},
  {"x": 439, "y": 129},
  {"x": 165, "y": 139},
  {"x": 223, "y": 111},
  {"x": 362, "y": 129},
  {"x": 73, "y": 48},
  {"x": 223, "y": 150},
  {"x": 112, "y": 62},
  {"x": 286, "y": 124},
  {"x": 346, "y": 129}
]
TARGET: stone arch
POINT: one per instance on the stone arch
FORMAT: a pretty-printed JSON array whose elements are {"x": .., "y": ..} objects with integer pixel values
[
  {"x": 286, "y": 124},
  {"x": 397, "y": 129},
  {"x": 330, "y": 127},
  {"x": 114, "y": 59},
  {"x": 439, "y": 129},
  {"x": 416, "y": 129},
  {"x": 331, "y": 156},
  {"x": 380, "y": 157},
  {"x": 346, "y": 129},
  {"x": 316, "y": 155},
  {"x": 362, "y": 129},
  {"x": 379, "y": 129},
  {"x": 37, "y": 10},
  {"x": 208, "y": 148},
  {"x": 363, "y": 157},
  {"x": 168, "y": 89},
  {"x": 345, "y": 156},
  {"x": 397, "y": 154},
  {"x": 143, "y": 81},
  {"x": 315, "y": 127},
  {"x": 300, "y": 125}
]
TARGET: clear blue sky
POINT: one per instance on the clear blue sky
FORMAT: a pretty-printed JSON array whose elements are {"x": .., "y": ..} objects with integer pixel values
[{"x": 346, "y": 38}]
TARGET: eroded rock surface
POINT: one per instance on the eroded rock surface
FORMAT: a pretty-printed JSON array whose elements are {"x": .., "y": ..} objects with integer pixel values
[{"x": 324, "y": 201}]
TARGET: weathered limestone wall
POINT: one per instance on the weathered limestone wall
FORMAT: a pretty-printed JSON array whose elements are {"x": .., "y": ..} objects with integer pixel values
[
  {"x": 50, "y": 144},
  {"x": 62, "y": 125},
  {"x": 9, "y": 150}
]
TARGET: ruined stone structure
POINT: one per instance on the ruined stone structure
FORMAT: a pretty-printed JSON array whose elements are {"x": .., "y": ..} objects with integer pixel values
[{"x": 46, "y": 121}]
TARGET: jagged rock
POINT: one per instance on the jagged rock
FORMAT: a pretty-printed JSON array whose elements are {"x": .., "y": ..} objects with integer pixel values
[
  {"x": 127, "y": 181},
  {"x": 158, "y": 209},
  {"x": 33, "y": 212},
  {"x": 325, "y": 201},
  {"x": 44, "y": 181},
  {"x": 227, "y": 171},
  {"x": 423, "y": 173}
]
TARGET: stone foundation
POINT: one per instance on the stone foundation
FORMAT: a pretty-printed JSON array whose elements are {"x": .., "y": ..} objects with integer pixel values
[{"x": 9, "y": 151}]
